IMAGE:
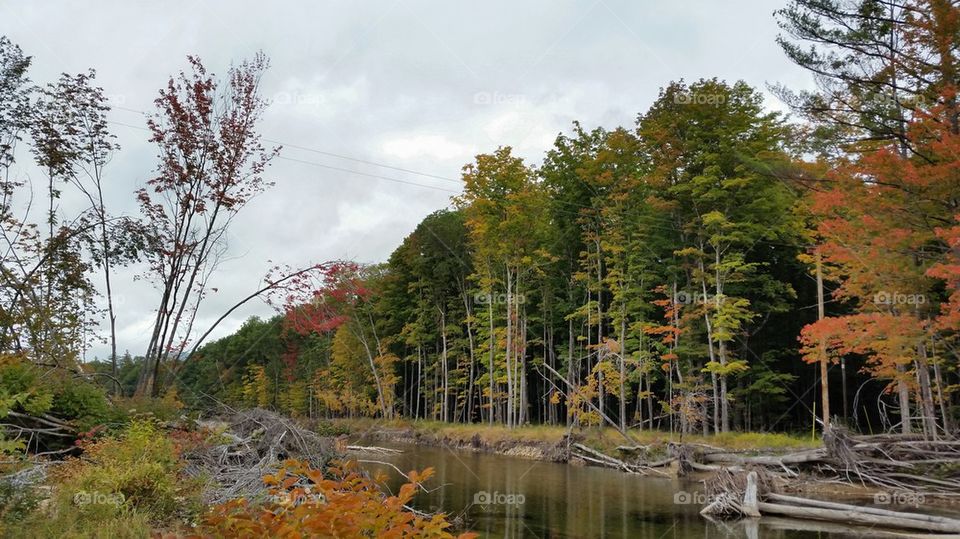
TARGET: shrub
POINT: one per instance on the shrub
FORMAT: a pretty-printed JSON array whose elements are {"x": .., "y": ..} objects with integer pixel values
[
  {"x": 304, "y": 503},
  {"x": 131, "y": 480},
  {"x": 16, "y": 503},
  {"x": 325, "y": 427},
  {"x": 167, "y": 408},
  {"x": 83, "y": 403},
  {"x": 34, "y": 390}
]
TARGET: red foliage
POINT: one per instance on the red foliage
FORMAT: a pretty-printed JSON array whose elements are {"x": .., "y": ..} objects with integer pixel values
[{"x": 320, "y": 301}]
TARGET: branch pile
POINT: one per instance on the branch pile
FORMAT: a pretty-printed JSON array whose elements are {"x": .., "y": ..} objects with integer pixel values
[
  {"x": 889, "y": 461},
  {"x": 634, "y": 465},
  {"x": 249, "y": 445}
]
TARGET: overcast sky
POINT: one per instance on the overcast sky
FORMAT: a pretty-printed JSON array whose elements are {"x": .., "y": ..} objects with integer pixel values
[{"x": 421, "y": 86}]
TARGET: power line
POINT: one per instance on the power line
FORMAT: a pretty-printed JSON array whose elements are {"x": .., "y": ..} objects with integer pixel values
[
  {"x": 331, "y": 167},
  {"x": 368, "y": 175},
  {"x": 356, "y": 160},
  {"x": 668, "y": 224},
  {"x": 332, "y": 154}
]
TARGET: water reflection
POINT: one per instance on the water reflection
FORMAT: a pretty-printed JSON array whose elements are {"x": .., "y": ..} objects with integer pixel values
[{"x": 512, "y": 497}]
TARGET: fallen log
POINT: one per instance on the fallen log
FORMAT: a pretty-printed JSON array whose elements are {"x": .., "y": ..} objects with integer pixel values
[
  {"x": 615, "y": 463},
  {"x": 796, "y": 500},
  {"x": 755, "y": 495},
  {"x": 855, "y": 515},
  {"x": 374, "y": 449},
  {"x": 813, "y": 455}
]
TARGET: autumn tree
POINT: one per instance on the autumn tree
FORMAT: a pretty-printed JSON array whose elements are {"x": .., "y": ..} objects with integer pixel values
[
  {"x": 504, "y": 209},
  {"x": 211, "y": 165},
  {"x": 713, "y": 148},
  {"x": 884, "y": 228},
  {"x": 876, "y": 63}
]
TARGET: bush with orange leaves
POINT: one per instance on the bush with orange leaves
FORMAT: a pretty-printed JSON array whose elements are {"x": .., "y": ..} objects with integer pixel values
[{"x": 304, "y": 502}]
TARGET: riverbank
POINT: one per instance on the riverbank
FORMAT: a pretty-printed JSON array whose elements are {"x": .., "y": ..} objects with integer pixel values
[{"x": 548, "y": 442}]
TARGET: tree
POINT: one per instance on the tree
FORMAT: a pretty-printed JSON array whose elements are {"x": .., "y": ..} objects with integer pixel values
[
  {"x": 876, "y": 62},
  {"x": 211, "y": 165},
  {"x": 339, "y": 296},
  {"x": 504, "y": 210},
  {"x": 713, "y": 150},
  {"x": 47, "y": 297},
  {"x": 884, "y": 230}
]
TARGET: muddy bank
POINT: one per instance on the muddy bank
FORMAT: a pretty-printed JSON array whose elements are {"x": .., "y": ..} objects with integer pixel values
[{"x": 533, "y": 450}]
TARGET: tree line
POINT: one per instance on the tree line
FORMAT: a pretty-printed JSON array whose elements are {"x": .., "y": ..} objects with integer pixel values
[
  {"x": 712, "y": 266},
  {"x": 707, "y": 267}
]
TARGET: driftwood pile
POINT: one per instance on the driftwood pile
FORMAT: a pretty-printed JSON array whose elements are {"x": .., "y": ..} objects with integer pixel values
[
  {"x": 907, "y": 470},
  {"x": 251, "y": 444},
  {"x": 892, "y": 462},
  {"x": 752, "y": 495},
  {"x": 633, "y": 462}
]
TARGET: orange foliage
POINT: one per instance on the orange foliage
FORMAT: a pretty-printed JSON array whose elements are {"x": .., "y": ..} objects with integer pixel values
[
  {"x": 949, "y": 271},
  {"x": 886, "y": 340},
  {"x": 878, "y": 231},
  {"x": 345, "y": 503}
]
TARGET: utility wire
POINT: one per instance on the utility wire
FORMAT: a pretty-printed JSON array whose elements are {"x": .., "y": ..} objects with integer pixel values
[
  {"x": 331, "y": 154},
  {"x": 330, "y": 167}
]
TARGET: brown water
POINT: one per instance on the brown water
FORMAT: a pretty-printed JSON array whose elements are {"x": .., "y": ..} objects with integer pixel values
[{"x": 502, "y": 496}]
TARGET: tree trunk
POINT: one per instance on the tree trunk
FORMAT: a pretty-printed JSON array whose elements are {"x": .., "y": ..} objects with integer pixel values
[
  {"x": 492, "y": 348},
  {"x": 824, "y": 360},
  {"x": 926, "y": 394},
  {"x": 904, "y": 394}
]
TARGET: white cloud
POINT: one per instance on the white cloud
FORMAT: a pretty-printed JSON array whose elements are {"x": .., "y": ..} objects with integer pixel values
[
  {"x": 426, "y": 146},
  {"x": 415, "y": 85}
]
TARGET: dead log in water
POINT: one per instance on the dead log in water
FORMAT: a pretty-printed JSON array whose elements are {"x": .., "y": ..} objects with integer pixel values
[
  {"x": 852, "y": 514},
  {"x": 892, "y": 462},
  {"x": 601, "y": 459},
  {"x": 752, "y": 496}
]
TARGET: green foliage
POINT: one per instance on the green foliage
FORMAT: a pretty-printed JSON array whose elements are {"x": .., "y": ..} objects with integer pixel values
[
  {"x": 330, "y": 428},
  {"x": 166, "y": 408},
  {"x": 16, "y": 503},
  {"x": 85, "y": 403},
  {"x": 36, "y": 390},
  {"x": 130, "y": 480}
]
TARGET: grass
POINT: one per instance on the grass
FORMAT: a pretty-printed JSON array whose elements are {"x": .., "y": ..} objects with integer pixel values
[{"x": 604, "y": 439}]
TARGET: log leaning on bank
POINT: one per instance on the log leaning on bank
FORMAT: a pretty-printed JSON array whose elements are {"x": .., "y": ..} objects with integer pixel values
[
  {"x": 593, "y": 456},
  {"x": 754, "y": 503}
]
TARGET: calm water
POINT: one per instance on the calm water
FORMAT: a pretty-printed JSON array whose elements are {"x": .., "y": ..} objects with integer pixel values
[{"x": 513, "y": 497}]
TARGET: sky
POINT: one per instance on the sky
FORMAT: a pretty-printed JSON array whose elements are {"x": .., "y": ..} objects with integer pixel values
[{"x": 379, "y": 104}]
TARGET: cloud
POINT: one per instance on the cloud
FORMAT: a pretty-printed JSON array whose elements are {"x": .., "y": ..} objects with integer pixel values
[
  {"x": 410, "y": 84},
  {"x": 426, "y": 146}
]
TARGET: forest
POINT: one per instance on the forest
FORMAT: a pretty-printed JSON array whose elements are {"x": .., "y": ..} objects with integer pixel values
[
  {"x": 705, "y": 269},
  {"x": 713, "y": 267}
]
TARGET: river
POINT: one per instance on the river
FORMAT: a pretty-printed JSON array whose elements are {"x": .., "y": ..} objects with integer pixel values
[{"x": 511, "y": 497}]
